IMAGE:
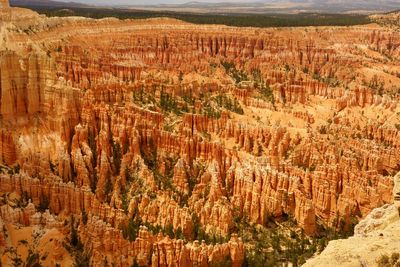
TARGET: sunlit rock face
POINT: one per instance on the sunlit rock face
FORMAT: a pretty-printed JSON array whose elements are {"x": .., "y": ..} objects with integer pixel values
[
  {"x": 4, "y": 4},
  {"x": 161, "y": 124}
]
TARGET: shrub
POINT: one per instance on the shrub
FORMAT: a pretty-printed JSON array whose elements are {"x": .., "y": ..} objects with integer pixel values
[
  {"x": 266, "y": 93},
  {"x": 394, "y": 258},
  {"x": 323, "y": 129},
  {"x": 32, "y": 260},
  {"x": 117, "y": 156},
  {"x": 237, "y": 75},
  {"x": 383, "y": 261},
  {"x": 108, "y": 188},
  {"x": 84, "y": 217},
  {"x": 44, "y": 204}
]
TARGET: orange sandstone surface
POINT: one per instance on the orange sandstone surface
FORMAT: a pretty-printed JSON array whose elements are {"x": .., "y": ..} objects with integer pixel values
[{"x": 178, "y": 126}]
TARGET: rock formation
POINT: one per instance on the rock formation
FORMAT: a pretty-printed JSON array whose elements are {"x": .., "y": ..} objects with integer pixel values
[
  {"x": 375, "y": 236},
  {"x": 159, "y": 133}
]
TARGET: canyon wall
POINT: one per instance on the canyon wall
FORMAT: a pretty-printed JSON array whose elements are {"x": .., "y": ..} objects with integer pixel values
[{"x": 193, "y": 129}]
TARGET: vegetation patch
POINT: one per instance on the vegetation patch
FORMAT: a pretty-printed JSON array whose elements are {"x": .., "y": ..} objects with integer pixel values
[{"x": 239, "y": 20}]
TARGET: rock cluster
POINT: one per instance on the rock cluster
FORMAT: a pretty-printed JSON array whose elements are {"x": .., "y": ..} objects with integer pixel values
[{"x": 149, "y": 125}]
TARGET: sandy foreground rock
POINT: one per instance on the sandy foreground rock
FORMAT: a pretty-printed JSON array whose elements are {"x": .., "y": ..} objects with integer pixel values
[{"x": 374, "y": 236}]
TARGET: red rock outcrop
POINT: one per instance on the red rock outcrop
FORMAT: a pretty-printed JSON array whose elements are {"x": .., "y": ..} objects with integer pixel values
[{"x": 145, "y": 123}]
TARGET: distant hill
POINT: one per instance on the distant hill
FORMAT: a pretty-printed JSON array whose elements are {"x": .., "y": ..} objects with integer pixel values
[
  {"x": 290, "y": 6},
  {"x": 391, "y": 19},
  {"x": 45, "y": 3},
  {"x": 256, "y": 7}
]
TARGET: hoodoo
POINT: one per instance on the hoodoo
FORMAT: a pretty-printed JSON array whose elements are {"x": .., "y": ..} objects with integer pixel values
[
  {"x": 4, "y": 11},
  {"x": 157, "y": 142},
  {"x": 4, "y": 4}
]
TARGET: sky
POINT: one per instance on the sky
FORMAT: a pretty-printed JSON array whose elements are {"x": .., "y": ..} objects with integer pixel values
[
  {"x": 156, "y": 2},
  {"x": 153, "y": 2}
]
